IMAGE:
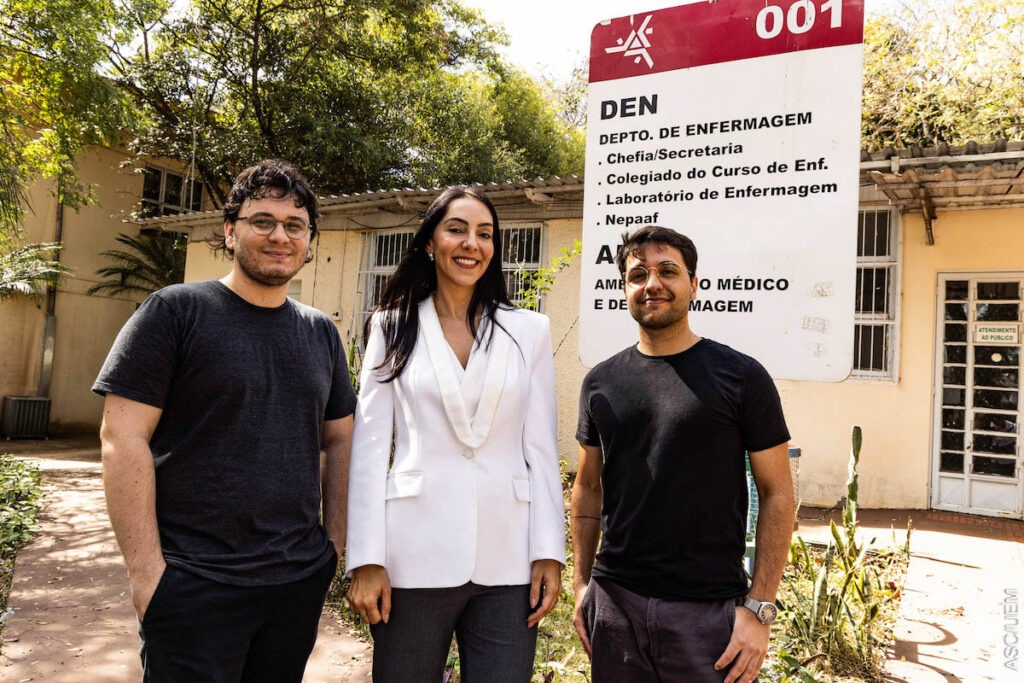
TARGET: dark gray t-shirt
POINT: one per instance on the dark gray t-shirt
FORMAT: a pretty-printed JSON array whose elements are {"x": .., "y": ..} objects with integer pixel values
[
  {"x": 673, "y": 431},
  {"x": 244, "y": 392}
]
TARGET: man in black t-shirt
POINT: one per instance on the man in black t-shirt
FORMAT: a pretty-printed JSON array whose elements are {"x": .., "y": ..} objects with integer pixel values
[
  {"x": 219, "y": 397},
  {"x": 664, "y": 428}
]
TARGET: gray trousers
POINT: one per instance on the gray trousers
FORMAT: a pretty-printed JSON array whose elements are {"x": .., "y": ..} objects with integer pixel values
[
  {"x": 489, "y": 623},
  {"x": 639, "y": 639}
]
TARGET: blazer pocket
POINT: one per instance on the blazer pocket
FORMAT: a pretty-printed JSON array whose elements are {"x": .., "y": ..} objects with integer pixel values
[
  {"x": 404, "y": 485},
  {"x": 521, "y": 486}
]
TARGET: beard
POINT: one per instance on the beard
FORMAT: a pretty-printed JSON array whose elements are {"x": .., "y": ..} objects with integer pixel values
[
  {"x": 273, "y": 275},
  {"x": 660, "y": 320}
]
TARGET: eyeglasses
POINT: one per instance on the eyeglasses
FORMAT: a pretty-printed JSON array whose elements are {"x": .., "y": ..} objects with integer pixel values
[
  {"x": 667, "y": 271},
  {"x": 263, "y": 224}
]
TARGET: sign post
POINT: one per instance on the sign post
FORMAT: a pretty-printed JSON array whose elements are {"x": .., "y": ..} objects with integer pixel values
[{"x": 736, "y": 123}]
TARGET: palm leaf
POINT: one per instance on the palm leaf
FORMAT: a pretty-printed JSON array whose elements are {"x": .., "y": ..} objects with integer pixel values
[
  {"x": 28, "y": 270},
  {"x": 152, "y": 261}
]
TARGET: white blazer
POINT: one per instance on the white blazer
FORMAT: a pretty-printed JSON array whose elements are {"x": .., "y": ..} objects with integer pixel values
[{"x": 474, "y": 493}]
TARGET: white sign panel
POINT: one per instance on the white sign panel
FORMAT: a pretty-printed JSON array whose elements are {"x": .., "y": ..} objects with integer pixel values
[
  {"x": 736, "y": 123},
  {"x": 988, "y": 333}
]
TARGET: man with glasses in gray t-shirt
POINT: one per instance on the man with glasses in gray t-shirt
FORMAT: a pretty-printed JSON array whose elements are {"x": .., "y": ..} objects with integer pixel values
[{"x": 219, "y": 397}]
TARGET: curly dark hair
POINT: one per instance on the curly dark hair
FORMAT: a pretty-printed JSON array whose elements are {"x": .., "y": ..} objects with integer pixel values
[{"x": 270, "y": 178}]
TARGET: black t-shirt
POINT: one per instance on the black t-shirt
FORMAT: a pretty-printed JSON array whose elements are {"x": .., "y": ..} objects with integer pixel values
[
  {"x": 244, "y": 392},
  {"x": 673, "y": 431}
]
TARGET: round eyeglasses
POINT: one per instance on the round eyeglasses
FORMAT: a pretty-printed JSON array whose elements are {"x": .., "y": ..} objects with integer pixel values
[{"x": 263, "y": 224}]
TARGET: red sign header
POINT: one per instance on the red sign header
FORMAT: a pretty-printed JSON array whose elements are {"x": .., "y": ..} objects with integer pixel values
[{"x": 716, "y": 32}]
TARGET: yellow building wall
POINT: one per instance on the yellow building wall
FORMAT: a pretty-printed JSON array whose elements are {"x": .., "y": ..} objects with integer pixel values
[
  {"x": 896, "y": 417},
  {"x": 21, "y": 318},
  {"x": 561, "y": 305},
  {"x": 85, "y": 325}
]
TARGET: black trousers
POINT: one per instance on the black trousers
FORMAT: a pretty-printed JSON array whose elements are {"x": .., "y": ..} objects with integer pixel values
[
  {"x": 202, "y": 631},
  {"x": 489, "y": 623},
  {"x": 639, "y": 639}
]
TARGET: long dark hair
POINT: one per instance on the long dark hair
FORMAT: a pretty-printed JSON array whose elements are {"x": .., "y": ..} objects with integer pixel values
[{"x": 416, "y": 278}]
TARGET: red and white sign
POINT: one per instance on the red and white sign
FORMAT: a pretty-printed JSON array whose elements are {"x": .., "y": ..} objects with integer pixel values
[{"x": 736, "y": 123}]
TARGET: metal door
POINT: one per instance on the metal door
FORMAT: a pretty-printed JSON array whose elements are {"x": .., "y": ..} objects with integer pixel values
[{"x": 976, "y": 463}]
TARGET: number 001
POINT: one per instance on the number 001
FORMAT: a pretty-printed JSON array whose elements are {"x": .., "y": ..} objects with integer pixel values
[{"x": 799, "y": 18}]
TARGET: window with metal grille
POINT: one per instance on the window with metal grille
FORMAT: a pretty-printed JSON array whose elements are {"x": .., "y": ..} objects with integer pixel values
[
  {"x": 522, "y": 254},
  {"x": 877, "y": 296},
  {"x": 167, "y": 194}
]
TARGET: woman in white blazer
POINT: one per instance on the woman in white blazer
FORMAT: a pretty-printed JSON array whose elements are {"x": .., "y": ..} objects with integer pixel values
[{"x": 464, "y": 533}]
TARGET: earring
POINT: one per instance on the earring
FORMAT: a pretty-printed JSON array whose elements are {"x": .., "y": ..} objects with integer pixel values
[{"x": 430, "y": 255}]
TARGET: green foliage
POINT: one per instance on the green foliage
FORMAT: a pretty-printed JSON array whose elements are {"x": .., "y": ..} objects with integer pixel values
[
  {"x": 537, "y": 283},
  {"x": 943, "y": 71},
  {"x": 19, "y": 500},
  {"x": 154, "y": 260},
  {"x": 361, "y": 94},
  {"x": 27, "y": 270},
  {"x": 20, "y": 493},
  {"x": 832, "y": 601}
]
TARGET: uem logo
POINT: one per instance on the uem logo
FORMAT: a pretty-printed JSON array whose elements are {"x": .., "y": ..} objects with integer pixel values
[{"x": 636, "y": 44}]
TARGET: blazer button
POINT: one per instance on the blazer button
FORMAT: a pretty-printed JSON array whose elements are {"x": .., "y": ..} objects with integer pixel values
[{"x": 468, "y": 453}]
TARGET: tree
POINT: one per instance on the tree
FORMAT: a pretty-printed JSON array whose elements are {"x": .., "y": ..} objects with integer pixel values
[
  {"x": 53, "y": 103},
  {"x": 153, "y": 261},
  {"x": 944, "y": 71},
  {"x": 359, "y": 94}
]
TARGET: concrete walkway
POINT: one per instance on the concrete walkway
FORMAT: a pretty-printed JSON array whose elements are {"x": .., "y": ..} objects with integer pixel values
[
  {"x": 959, "y": 618},
  {"x": 73, "y": 619},
  {"x": 959, "y": 615}
]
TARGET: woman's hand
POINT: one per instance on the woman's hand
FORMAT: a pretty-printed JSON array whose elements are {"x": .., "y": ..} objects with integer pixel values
[
  {"x": 545, "y": 585},
  {"x": 369, "y": 595}
]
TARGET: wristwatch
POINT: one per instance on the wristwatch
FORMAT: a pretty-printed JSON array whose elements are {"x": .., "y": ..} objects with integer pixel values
[{"x": 765, "y": 611}]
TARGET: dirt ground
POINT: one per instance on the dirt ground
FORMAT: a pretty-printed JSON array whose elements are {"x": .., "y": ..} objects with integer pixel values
[{"x": 73, "y": 620}]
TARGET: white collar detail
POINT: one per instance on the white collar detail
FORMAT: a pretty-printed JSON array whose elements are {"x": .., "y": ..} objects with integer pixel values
[{"x": 470, "y": 433}]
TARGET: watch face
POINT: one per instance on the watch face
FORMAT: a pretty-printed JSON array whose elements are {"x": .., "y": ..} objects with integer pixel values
[{"x": 767, "y": 613}]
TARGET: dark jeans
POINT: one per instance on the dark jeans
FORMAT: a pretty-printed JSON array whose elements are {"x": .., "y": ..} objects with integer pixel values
[
  {"x": 202, "y": 631},
  {"x": 489, "y": 623},
  {"x": 639, "y": 639}
]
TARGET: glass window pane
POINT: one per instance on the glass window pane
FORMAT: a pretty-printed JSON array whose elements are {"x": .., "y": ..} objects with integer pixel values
[
  {"x": 998, "y": 312},
  {"x": 956, "y": 311},
  {"x": 955, "y": 354},
  {"x": 993, "y": 377},
  {"x": 994, "y": 422},
  {"x": 956, "y": 290},
  {"x": 869, "y": 347},
  {"x": 1003, "y": 445},
  {"x": 953, "y": 418},
  {"x": 999, "y": 290},
  {"x": 521, "y": 245},
  {"x": 172, "y": 189},
  {"x": 1000, "y": 467},
  {"x": 956, "y": 332},
  {"x": 194, "y": 198},
  {"x": 993, "y": 398},
  {"x": 872, "y": 290},
  {"x": 151, "y": 184},
  {"x": 148, "y": 210},
  {"x": 953, "y": 397},
  {"x": 952, "y": 462},
  {"x": 873, "y": 236},
  {"x": 952, "y": 441},
  {"x": 954, "y": 375},
  {"x": 997, "y": 355}
]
